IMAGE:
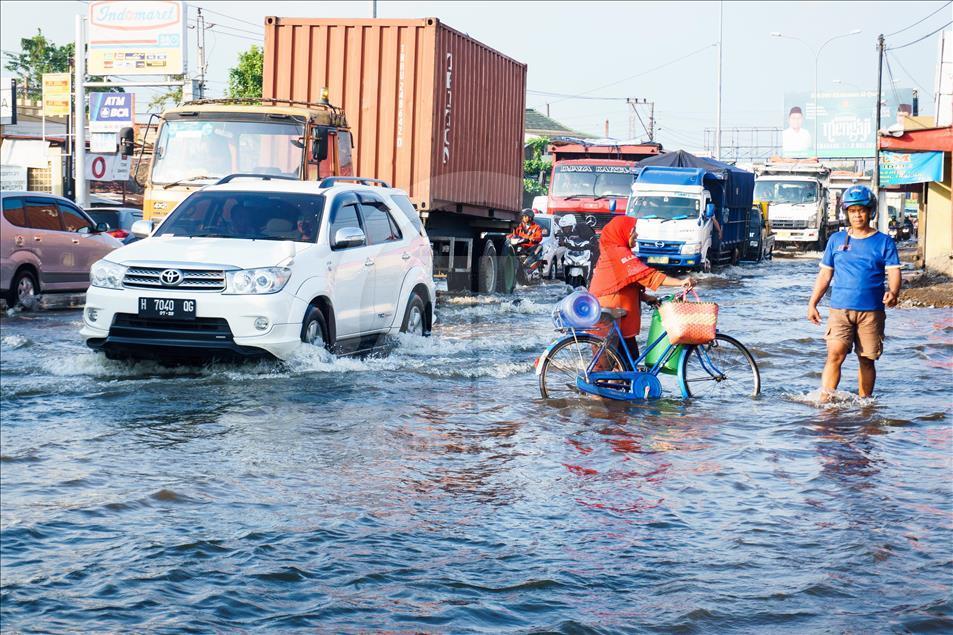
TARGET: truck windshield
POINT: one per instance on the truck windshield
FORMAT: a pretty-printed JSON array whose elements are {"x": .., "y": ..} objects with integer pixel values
[
  {"x": 662, "y": 206},
  {"x": 248, "y": 215},
  {"x": 591, "y": 180},
  {"x": 785, "y": 192},
  {"x": 197, "y": 149}
]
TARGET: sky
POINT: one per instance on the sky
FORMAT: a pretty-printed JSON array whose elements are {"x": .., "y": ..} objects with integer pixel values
[{"x": 663, "y": 52}]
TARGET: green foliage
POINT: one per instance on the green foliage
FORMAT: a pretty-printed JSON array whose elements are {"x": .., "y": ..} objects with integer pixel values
[
  {"x": 38, "y": 55},
  {"x": 159, "y": 102},
  {"x": 536, "y": 169},
  {"x": 245, "y": 79},
  {"x": 534, "y": 187}
]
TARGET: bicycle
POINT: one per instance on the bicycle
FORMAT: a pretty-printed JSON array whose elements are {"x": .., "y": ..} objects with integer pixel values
[{"x": 583, "y": 362}]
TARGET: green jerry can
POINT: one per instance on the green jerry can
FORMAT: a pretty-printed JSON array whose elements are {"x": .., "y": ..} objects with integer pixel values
[{"x": 654, "y": 355}]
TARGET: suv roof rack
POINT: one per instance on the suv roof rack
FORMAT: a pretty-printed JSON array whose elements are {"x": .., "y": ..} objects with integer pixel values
[
  {"x": 252, "y": 175},
  {"x": 333, "y": 180}
]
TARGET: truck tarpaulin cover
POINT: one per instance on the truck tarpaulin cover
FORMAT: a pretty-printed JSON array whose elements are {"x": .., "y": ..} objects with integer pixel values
[{"x": 740, "y": 182}]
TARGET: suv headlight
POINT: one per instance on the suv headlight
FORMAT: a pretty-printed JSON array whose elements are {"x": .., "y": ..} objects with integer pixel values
[
  {"x": 107, "y": 275},
  {"x": 691, "y": 248},
  {"x": 256, "y": 281}
]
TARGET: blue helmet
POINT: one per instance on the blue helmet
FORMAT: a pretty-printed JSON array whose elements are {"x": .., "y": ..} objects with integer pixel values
[{"x": 859, "y": 195}]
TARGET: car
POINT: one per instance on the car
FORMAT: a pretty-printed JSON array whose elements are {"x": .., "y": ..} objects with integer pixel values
[
  {"x": 119, "y": 219},
  {"x": 549, "y": 244},
  {"x": 258, "y": 268},
  {"x": 47, "y": 245}
]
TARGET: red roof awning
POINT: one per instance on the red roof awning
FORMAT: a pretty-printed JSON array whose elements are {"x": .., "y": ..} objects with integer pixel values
[{"x": 928, "y": 139}]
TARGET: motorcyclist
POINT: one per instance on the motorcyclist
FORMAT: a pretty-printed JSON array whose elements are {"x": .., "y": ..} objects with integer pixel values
[
  {"x": 528, "y": 235},
  {"x": 569, "y": 227}
]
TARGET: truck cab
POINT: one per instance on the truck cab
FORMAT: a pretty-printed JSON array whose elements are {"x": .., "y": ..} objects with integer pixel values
[
  {"x": 200, "y": 142},
  {"x": 675, "y": 224},
  {"x": 798, "y": 199}
]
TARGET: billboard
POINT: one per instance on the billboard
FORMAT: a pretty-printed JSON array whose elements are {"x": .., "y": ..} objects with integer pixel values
[
  {"x": 898, "y": 168},
  {"x": 56, "y": 94},
  {"x": 111, "y": 112},
  {"x": 845, "y": 122},
  {"x": 141, "y": 37}
]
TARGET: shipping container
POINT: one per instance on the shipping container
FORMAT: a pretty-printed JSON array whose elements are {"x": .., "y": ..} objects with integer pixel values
[{"x": 432, "y": 111}]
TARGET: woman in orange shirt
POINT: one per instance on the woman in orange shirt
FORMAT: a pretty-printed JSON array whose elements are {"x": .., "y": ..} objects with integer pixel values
[{"x": 620, "y": 278}]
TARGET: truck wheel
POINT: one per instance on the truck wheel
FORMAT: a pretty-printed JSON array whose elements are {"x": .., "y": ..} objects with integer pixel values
[
  {"x": 507, "y": 270},
  {"x": 314, "y": 328},
  {"x": 735, "y": 256},
  {"x": 486, "y": 279}
]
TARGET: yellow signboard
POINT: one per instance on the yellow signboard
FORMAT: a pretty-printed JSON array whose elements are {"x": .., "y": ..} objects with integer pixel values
[{"x": 56, "y": 94}]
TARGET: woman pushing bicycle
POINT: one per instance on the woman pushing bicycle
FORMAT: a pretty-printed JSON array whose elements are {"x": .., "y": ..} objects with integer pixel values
[{"x": 620, "y": 278}]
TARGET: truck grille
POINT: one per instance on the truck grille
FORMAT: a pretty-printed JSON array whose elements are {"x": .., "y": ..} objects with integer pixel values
[
  {"x": 789, "y": 224},
  {"x": 659, "y": 247},
  {"x": 128, "y": 325},
  {"x": 192, "y": 279},
  {"x": 602, "y": 219}
]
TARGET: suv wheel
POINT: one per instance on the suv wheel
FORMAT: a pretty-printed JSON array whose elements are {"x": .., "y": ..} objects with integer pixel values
[
  {"x": 24, "y": 290},
  {"x": 314, "y": 329},
  {"x": 414, "y": 317}
]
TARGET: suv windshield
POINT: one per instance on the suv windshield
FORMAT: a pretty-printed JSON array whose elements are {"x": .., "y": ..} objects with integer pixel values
[
  {"x": 248, "y": 215},
  {"x": 592, "y": 180},
  {"x": 207, "y": 150},
  {"x": 786, "y": 192},
  {"x": 663, "y": 206}
]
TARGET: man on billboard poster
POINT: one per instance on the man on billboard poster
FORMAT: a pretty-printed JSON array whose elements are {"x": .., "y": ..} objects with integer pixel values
[{"x": 794, "y": 138}]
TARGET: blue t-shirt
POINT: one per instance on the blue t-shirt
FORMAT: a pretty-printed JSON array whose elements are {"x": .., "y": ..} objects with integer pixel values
[{"x": 859, "y": 269}]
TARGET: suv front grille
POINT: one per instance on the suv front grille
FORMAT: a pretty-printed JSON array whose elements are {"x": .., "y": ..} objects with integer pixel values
[
  {"x": 200, "y": 329},
  {"x": 192, "y": 279}
]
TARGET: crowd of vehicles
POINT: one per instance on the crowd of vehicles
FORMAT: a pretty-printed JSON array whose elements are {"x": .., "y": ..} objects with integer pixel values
[{"x": 801, "y": 213}]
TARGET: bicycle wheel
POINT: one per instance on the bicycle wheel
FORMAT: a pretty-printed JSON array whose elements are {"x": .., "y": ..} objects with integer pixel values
[
  {"x": 720, "y": 368},
  {"x": 569, "y": 358}
]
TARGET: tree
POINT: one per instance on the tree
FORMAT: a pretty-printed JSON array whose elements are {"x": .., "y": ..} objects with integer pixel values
[
  {"x": 536, "y": 169},
  {"x": 245, "y": 79},
  {"x": 38, "y": 55},
  {"x": 174, "y": 95}
]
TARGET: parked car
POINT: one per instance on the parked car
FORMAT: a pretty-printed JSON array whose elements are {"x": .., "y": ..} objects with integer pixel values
[
  {"x": 119, "y": 219},
  {"x": 47, "y": 245},
  {"x": 256, "y": 268},
  {"x": 550, "y": 246}
]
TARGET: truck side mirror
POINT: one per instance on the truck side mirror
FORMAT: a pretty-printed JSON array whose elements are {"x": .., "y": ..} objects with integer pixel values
[
  {"x": 127, "y": 142},
  {"x": 709, "y": 211},
  {"x": 612, "y": 205},
  {"x": 319, "y": 146}
]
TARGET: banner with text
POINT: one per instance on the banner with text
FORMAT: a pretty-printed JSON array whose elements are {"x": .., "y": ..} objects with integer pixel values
[
  {"x": 898, "y": 168},
  {"x": 107, "y": 167},
  {"x": 137, "y": 37},
  {"x": 111, "y": 112},
  {"x": 845, "y": 122},
  {"x": 56, "y": 94}
]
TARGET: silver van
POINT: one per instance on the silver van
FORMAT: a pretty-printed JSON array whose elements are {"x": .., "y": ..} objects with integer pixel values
[{"x": 47, "y": 245}]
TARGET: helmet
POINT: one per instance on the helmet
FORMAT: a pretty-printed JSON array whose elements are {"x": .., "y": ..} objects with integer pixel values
[
  {"x": 859, "y": 195},
  {"x": 528, "y": 211},
  {"x": 568, "y": 221}
]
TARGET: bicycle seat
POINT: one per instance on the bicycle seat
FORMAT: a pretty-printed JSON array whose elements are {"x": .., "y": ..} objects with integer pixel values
[{"x": 614, "y": 312}]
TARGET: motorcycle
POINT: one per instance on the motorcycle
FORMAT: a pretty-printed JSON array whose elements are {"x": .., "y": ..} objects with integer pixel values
[
  {"x": 529, "y": 259},
  {"x": 577, "y": 261},
  {"x": 906, "y": 231}
]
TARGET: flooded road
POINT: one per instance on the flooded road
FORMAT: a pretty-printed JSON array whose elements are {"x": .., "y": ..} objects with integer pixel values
[{"x": 432, "y": 490}]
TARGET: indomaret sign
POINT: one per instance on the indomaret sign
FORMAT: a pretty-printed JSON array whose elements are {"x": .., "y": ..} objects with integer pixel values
[{"x": 142, "y": 37}]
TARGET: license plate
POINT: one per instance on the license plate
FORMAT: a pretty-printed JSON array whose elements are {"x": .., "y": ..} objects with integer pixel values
[
  {"x": 171, "y": 308},
  {"x": 661, "y": 260}
]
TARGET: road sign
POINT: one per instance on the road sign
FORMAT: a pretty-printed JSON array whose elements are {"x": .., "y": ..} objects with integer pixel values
[
  {"x": 136, "y": 37},
  {"x": 111, "y": 112},
  {"x": 56, "y": 94},
  {"x": 107, "y": 167}
]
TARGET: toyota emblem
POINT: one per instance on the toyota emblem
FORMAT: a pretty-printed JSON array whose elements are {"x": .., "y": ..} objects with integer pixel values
[
  {"x": 171, "y": 277},
  {"x": 659, "y": 244}
]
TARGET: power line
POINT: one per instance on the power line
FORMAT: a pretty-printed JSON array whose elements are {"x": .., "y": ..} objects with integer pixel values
[
  {"x": 225, "y": 15},
  {"x": 912, "y": 78},
  {"x": 903, "y": 46},
  {"x": 945, "y": 5}
]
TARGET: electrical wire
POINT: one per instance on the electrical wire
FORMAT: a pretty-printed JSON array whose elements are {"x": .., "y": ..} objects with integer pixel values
[
  {"x": 893, "y": 83},
  {"x": 945, "y": 5},
  {"x": 912, "y": 78},
  {"x": 225, "y": 15},
  {"x": 903, "y": 46}
]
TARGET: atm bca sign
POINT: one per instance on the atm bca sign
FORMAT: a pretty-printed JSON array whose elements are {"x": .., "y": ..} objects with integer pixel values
[{"x": 107, "y": 167}]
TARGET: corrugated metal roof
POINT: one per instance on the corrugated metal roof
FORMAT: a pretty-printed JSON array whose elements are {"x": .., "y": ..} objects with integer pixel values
[{"x": 539, "y": 124}]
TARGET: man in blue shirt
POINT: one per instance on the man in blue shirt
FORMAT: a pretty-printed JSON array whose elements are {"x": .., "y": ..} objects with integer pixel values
[{"x": 856, "y": 264}]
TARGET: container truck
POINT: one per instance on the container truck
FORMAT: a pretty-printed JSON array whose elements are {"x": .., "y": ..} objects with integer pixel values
[
  {"x": 412, "y": 102},
  {"x": 588, "y": 177},
  {"x": 680, "y": 200},
  {"x": 800, "y": 206}
]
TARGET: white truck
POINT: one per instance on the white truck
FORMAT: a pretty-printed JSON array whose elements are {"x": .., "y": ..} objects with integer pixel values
[{"x": 798, "y": 195}]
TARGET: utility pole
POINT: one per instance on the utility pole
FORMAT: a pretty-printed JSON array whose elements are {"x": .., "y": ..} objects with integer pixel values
[
  {"x": 200, "y": 40},
  {"x": 373, "y": 8},
  {"x": 547, "y": 111},
  {"x": 721, "y": 13},
  {"x": 79, "y": 117},
  {"x": 634, "y": 103},
  {"x": 652, "y": 121},
  {"x": 882, "y": 219}
]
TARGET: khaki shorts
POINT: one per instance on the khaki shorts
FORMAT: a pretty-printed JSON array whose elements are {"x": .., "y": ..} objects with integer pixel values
[{"x": 863, "y": 328}]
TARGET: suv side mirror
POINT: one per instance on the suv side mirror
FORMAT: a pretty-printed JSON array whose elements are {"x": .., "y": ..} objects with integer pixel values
[
  {"x": 101, "y": 227},
  {"x": 348, "y": 237},
  {"x": 319, "y": 145},
  {"x": 142, "y": 228},
  {"x": 127, "y": 142},
  {"x": 709, "y": 210}
]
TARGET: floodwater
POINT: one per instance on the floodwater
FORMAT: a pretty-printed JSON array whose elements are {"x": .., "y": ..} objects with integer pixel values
[{"x": 432, "y": 490}]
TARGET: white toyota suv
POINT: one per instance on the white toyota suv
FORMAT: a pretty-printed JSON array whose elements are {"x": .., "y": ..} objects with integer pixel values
[{"x": 247, "y": 268}]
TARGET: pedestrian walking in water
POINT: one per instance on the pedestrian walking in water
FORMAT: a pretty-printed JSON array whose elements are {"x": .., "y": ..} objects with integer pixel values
[{"x": 862, "y": 268}]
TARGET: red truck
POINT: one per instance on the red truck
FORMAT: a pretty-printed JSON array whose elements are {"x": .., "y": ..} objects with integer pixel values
[{"x": 588, "y": 176}]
